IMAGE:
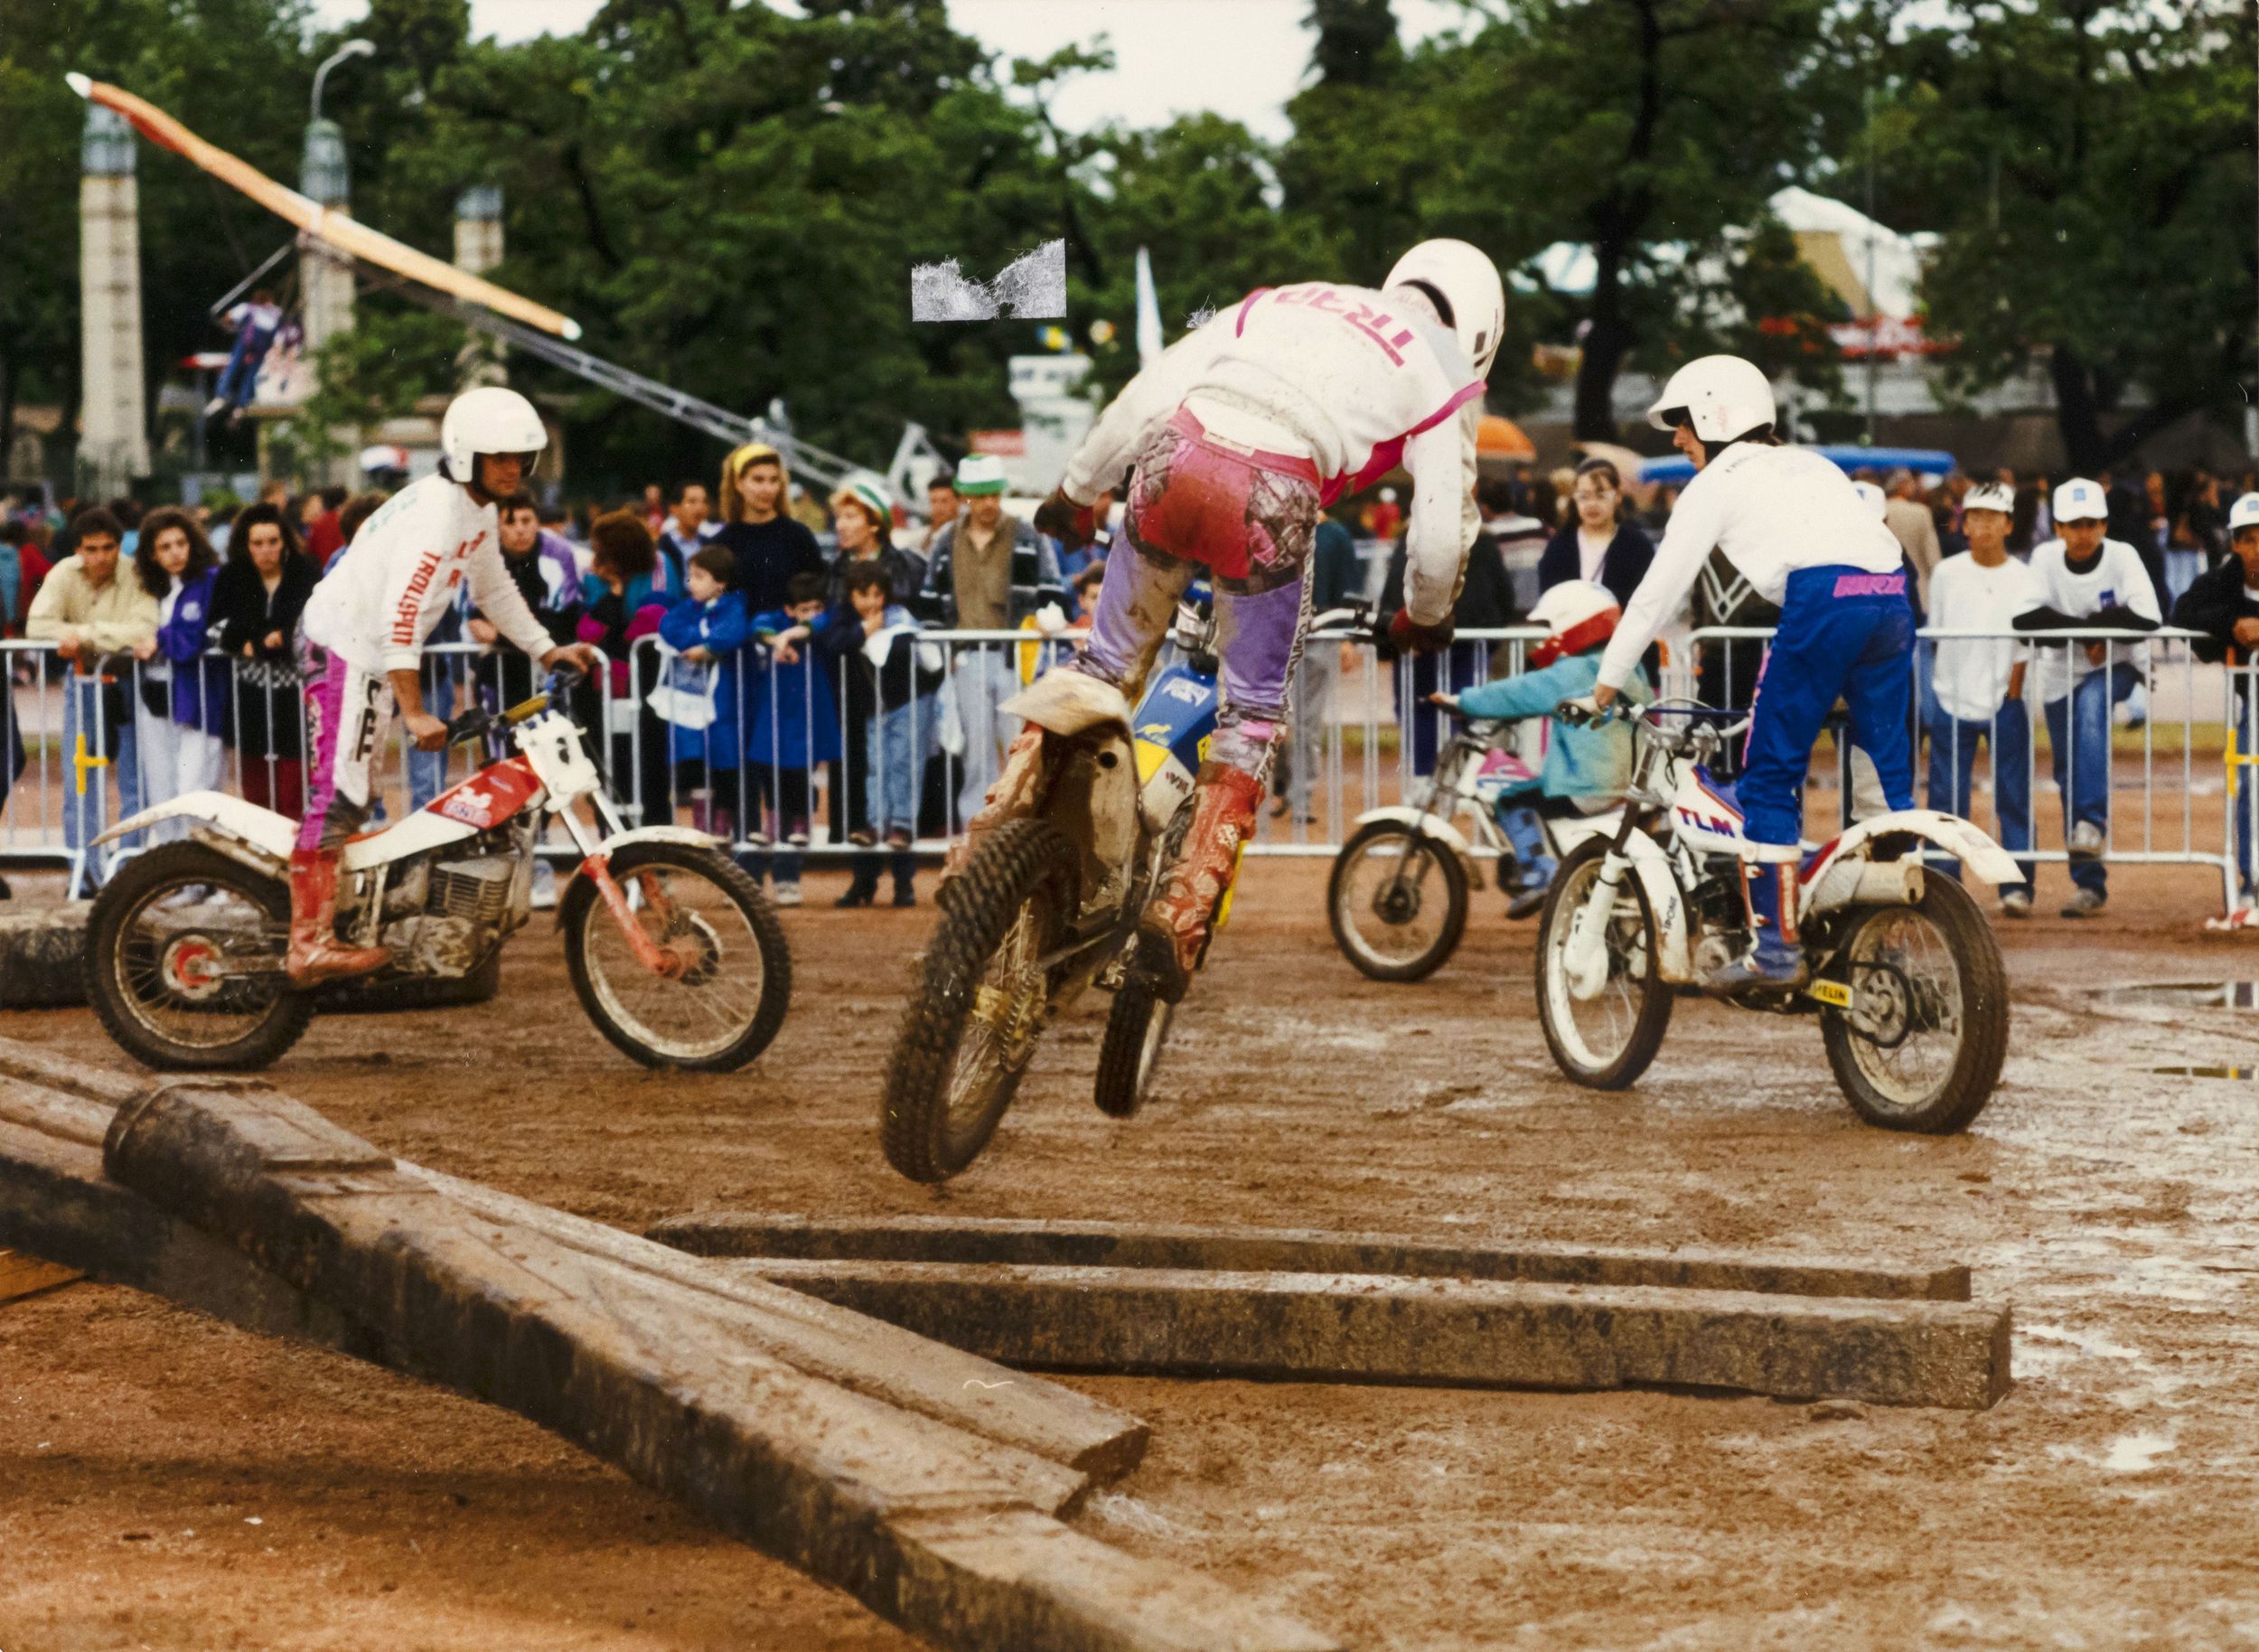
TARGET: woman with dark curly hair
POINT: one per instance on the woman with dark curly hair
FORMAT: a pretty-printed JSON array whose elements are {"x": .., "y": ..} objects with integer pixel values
[{"x": 258, "y": 600}]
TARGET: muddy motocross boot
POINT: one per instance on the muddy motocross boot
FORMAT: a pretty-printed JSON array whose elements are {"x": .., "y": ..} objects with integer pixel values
[
  {"x": 316, "y": 954},
  {"x": 1174, "y": 932},
  {"x": 1777, "y": 960}
]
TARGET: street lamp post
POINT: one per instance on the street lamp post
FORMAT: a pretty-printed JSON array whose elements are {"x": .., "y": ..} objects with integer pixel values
[{"x": 325, "y": 280}]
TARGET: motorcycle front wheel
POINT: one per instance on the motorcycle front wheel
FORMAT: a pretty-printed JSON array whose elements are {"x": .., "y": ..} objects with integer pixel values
[
  {"x": 164, "y": 937},
  {"x": 724, "y": 995},
  {"x": 1397, "y": 901},
  {"x": 1607, "y": 1041},
  {"x": 978, "y": 1006},
  {"x": 1137, "y": 1029},
  {"x": 1921, "y": 1047}
]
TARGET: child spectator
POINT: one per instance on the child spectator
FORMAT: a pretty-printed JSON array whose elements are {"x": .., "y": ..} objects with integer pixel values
[
  {"x": 1978, "y": 681},
  {"x": 1586, "y": 768},
  {"x": 891, "y": 679},
  {"x": 1086, "y": 584},
  {"x": 795, "y": 726},
  {"x": 183, "y": 710},
  {"x": 2223, "y": 605},
  {"x": 258, "y": 599},
  {"x": 2086, "y": 582},
  {"x": 621, "y": 604},
  {"x": 699, "y": 693}
]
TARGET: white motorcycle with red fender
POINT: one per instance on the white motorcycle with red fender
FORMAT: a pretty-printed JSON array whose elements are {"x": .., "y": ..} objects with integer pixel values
[
  {"x": 1904, "y": 975},
  {"x": 673, "y": 951}
]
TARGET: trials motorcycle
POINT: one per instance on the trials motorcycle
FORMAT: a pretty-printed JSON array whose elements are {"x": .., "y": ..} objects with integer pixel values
[
  {"x": 673, "y": 951},
  {"x": 1048, "y": 905},
  {"x": 1904, "y": 975}
]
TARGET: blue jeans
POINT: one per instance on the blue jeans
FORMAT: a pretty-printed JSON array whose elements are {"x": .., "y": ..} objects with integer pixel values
[
  {"x": 88, "y": 817},
  {"x": 1953, "y": 745},
  {"x": 2082, "y": 758},
  {"x": 239, "y": 382},
  {"x": 895, "y": 768},
  {"x": 2244, "y": 828},
  {"x": 1843, "y": 634},
  {"x": 427, "y": 770}
]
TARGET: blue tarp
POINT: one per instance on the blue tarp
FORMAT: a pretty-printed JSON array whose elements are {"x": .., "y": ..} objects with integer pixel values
[{"x": 1924, "y": 461}]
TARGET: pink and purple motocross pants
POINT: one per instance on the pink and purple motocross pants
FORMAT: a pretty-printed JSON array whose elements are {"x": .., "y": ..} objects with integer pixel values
[
  {"x": 1250, "y": 519},
  {"x": 348, "y": 714}
]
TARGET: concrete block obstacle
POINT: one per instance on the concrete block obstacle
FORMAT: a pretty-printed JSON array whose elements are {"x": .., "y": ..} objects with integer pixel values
[
  {"x": 43, "y": 966},
  {"x": 1314, "y": 1306},
  {"x": 931, "y": 1485}
]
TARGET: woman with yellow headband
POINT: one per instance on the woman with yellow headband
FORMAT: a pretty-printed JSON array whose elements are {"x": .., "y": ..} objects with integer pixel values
[{"x": 765, "y": 543}]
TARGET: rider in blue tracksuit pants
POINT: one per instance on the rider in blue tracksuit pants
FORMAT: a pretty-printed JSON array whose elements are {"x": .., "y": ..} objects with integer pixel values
[{"x": 1792, "y": 525}]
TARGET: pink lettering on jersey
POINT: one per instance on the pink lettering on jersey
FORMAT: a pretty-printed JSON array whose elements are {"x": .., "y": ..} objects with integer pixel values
[
  {"x": 1239, "y": 327},
  {"x": 404, "y": 618},
  {"x": 1870, "y": 584}
]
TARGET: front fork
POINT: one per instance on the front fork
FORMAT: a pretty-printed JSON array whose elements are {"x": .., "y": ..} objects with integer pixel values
[
  {"x": 1585, "y": 954},
  {"x": 595, "y": 866}
]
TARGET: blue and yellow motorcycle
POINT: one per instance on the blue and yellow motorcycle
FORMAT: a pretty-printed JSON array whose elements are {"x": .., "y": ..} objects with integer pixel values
[{"x": 1047, "y": 907}]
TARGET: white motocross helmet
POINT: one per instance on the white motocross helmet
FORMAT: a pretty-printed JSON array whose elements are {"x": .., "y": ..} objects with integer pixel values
[
  {"x": 1722, "y": 397},
  {"x": 1580, "y": 612},
  {"x": 1464, "y": 285},
  {"x": 489, "y": 420}
]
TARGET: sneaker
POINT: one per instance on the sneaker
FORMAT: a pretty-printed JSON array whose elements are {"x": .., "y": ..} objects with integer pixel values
[
  {"x": 2085, "y": 842},
  {"x": 2085, "y": 904},
  {"x": 544, "y": 887},
  {"x": 862, "y": 837},
  {"x": 759, "y": 838},
  {"x": 215, "y": 407},
  {"x": 2016, "y": 904},
  {"x": 897, "y": 838},
  {"x": 787, "y": 894},
  {"x": 797, "y": 838}
]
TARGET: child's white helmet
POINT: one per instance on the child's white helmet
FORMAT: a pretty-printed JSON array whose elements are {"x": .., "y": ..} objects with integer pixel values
[{"x": 1579, "y": 613}]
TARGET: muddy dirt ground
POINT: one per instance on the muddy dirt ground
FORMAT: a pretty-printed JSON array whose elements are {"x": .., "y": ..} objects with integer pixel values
[{"x": 168, "y": 1482}]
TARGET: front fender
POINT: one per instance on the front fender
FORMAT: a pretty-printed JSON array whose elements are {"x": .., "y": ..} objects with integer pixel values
[
  {"x": 1674, "y": 957},
  {"x": 1964, "y": 842},
  {"x": 680, "y": 835}
]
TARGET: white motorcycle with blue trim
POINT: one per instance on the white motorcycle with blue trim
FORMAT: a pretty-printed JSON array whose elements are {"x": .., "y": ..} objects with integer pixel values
[
  {"x": 673, "y": 951},
  {"x": 1904, "y": 975}
]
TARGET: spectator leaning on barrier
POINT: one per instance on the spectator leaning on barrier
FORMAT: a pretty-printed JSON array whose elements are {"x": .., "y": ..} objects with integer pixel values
[
  {"x": 861, "y": 516},
  {"x": 700, "y": 696},
  {"x": 88, "y": 611},
  {"x": 1979, "y": 683},
  {"x": 766, "y": 546},
  {"x": 987, "y": 571},
  {"x": 795, "y": 728},
  {"x": 542, "y": 567},
  {"x": 2223, "y": 605},
  {"x": 184, "y": 703},
  {"x": 2086, "y": 582},
  {"x": 622, "y": 603},
  {"x": 258, "y": 600},
  {"x": 1914, "y": 527},
  {"x": 889, "y": 679}
]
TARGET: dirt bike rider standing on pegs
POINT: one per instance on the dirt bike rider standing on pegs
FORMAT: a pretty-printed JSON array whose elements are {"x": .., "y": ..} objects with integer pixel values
[
  {"x": 366, "y": 623},
  {"x": 1793, "y": 526},
  {"x": 1241, "y": 434}
]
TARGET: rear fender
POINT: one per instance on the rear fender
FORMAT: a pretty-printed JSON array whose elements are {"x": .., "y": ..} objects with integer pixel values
[
  {"x": 1068, "y": 702},
  {"x": 1093, "y": 801},
  {"x": 221, "y": 816},
  {"x": 1954, "y": 836}
]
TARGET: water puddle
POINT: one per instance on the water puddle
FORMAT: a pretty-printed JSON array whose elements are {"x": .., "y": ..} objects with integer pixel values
[
  {"x": 2188, "y": 994},
  {"x": 2133, "y": 1454},
  {"x": 2248, "y": 1075}
]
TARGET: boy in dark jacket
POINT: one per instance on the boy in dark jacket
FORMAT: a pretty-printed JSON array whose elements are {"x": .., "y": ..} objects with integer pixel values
[
  {"x": 890, "y": 678},
  {"x": 795, "y": 726},
  {"x": 2223, "y": 605}
]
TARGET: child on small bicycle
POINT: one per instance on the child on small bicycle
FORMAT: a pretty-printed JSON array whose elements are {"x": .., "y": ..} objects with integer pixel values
[{"x": 1586, "y": 767}]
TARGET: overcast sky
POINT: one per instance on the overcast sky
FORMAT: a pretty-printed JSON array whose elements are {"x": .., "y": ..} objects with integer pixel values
[{"x": 1240, "y": 58}]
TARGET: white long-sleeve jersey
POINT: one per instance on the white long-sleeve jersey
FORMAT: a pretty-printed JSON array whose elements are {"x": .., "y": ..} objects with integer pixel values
[
  {"x": 1336, "y": 374},
  {"x": 385, "y": 591},
  {"x": 1772, "y": 510}
]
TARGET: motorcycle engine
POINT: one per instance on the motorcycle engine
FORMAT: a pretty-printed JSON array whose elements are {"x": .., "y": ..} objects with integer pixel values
[{"x": 467, "y": 906}]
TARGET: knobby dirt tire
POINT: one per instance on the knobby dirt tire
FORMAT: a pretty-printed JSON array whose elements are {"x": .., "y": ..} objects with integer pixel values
[
  {"x": 1976, "y": 1068},
  {"x": 1020, "y": 865},
  {"x": 1447, "y": 864},
  {"x": 1131, "y": 1048},
  {"x": 582, "y": 908},
  {"x": 143, "y": 878},
  {"x": 1653, "y": 1016}
]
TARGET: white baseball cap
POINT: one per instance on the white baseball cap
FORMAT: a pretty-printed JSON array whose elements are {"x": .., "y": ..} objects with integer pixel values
[
  {"x": 2081, "y": 500},
  {"x": 1991, "y": 496}
]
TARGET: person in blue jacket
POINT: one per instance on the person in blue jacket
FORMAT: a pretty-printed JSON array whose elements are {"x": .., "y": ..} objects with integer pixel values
[
  {"x": 794, "y": 726},
  {"x": 702, "y": 688},
  {"x": 1587, "y": 765}
]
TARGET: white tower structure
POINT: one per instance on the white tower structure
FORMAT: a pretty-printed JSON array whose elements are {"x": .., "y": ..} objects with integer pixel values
[
  {"x": 478, "y": 247},
  {"x": 114, "y": 439},
  {"x": 326, "y": 280}
]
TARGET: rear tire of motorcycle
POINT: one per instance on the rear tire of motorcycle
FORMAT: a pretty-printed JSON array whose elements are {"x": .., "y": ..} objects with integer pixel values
[
  {"x": 1455, "y": 896},
  {"x": 1021, "y": 866},
  {"x": 1976, "y": 1068},
  {"x": 1133, "y": 1047},
  {"x": 581, "y": 907},
  {"x": 174, "y": 866}
]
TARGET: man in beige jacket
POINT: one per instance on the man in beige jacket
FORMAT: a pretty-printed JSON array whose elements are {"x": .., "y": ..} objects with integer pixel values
[
  {"x": 1916, "y": 530},
  {"x": 90, "y": 606}
]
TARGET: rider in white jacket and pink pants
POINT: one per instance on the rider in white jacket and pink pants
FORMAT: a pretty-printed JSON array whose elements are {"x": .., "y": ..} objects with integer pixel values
[
  {"x": 368, "y": 620},
  {"x": 1241, "y": 434}
]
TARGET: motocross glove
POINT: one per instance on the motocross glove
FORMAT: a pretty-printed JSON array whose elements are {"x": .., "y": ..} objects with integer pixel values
[
  {"x": 1072, "y": 525},
  {"x": 1408, "y": 636}
]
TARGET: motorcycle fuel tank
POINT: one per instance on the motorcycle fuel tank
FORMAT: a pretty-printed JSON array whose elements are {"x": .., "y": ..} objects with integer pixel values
[{"x": 1173, "y": 726}]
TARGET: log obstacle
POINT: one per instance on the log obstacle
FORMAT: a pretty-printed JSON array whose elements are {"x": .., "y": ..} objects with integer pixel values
[
  {"x": 1359, "y": 1307},
  {"x": 931, "y": 1485}
]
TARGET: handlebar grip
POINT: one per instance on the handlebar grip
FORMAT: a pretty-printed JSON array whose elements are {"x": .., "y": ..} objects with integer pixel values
[{"x": 467, "y": 724}]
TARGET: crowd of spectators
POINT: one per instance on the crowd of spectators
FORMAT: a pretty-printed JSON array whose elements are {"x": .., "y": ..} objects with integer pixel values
[{"x": 789, "y": 670}]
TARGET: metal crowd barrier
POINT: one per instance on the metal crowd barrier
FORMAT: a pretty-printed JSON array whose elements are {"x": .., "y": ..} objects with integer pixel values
[{"x": 787, "y": 749}]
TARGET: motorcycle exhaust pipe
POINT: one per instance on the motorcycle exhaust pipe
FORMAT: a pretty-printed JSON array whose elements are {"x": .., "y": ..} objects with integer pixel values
[{"x": 1868, "y": 883}]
